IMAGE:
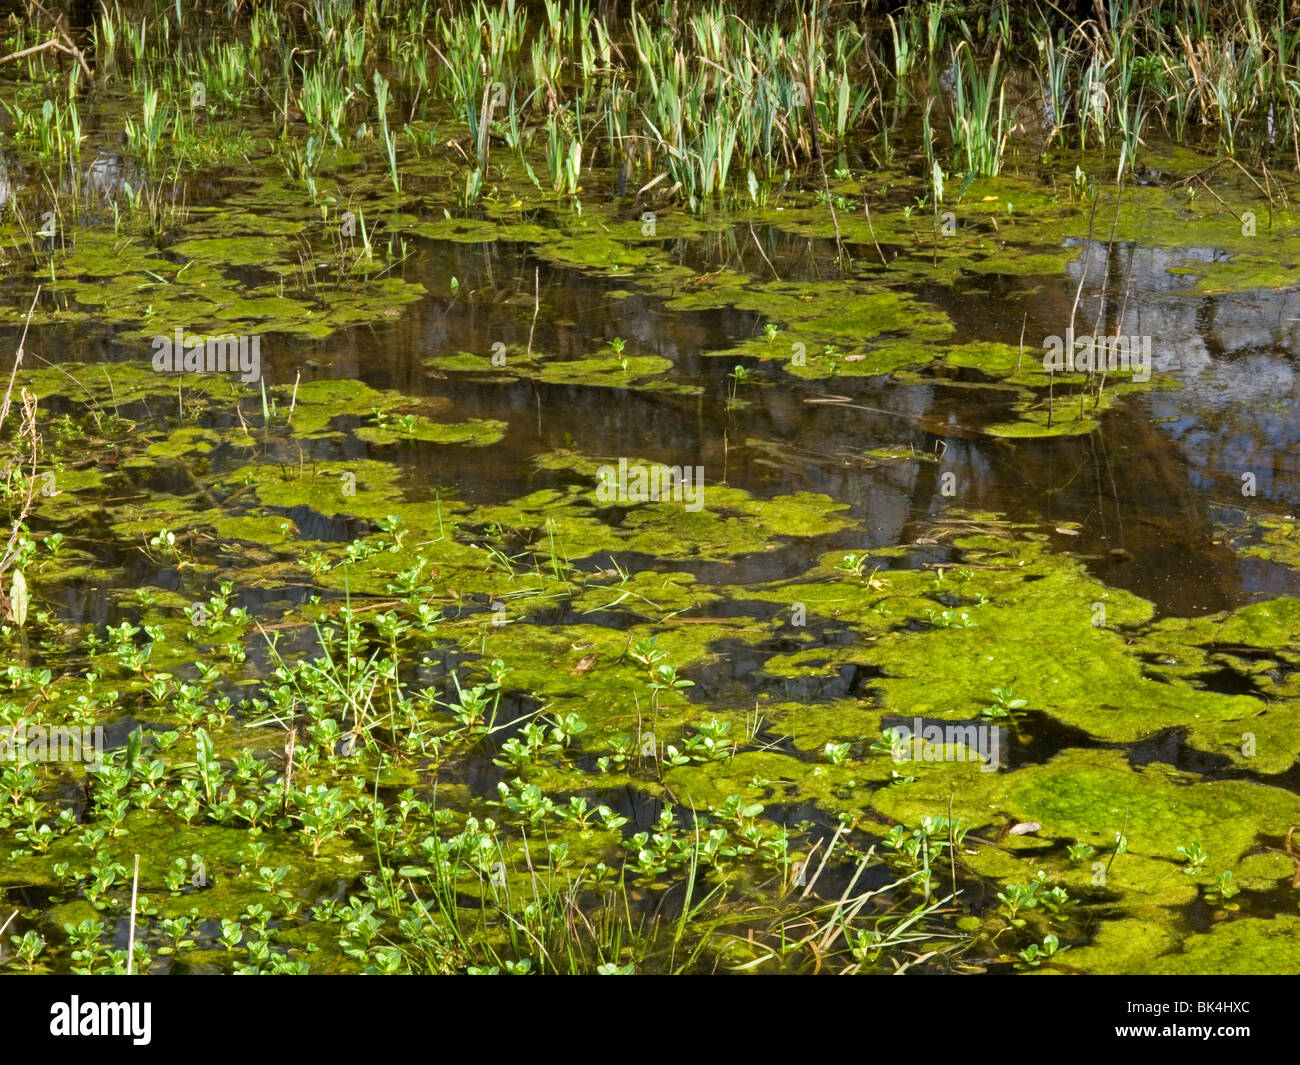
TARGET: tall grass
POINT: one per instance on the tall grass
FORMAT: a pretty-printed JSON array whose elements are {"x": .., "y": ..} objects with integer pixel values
[
  {"x": 979, "y": 122},
  {"x": 687, "y": 98}
]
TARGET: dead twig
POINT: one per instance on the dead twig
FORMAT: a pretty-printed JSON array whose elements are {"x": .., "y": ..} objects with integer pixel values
[{"x": 68, "y": 45}]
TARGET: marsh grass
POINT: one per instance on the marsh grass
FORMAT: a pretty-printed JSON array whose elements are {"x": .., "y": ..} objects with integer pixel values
[
  {"x": 979, "y": 125},
  {"x": 498, "y": 890},
  {"x": 687, "y": 106},
  {"x": 158, "y": 207},
  {"x": 582, "y": 923}
]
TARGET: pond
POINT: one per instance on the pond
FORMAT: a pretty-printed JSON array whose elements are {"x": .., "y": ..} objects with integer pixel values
[{"x": 440, "y": 546}]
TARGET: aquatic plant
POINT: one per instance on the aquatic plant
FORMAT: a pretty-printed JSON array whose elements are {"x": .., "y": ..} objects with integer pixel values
[{"x": 980, "y": 129}]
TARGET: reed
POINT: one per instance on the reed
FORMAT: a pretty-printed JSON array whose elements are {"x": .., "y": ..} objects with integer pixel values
[
  {"x": 979, "y": 129},
  {"x": 322, "y": 99},
  {"x": 145, "y": 138},
  {"x": 682, "y": 96},
  {"x": 563, "y": 153},
  {"x": 388, "y": 139}
]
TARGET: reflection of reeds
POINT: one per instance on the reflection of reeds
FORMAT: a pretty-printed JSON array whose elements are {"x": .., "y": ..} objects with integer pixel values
[{"x": 160, "y": 211}]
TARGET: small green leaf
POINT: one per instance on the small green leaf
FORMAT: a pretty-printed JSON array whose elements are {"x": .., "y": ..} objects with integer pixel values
[{"x": 18, "y": 598}]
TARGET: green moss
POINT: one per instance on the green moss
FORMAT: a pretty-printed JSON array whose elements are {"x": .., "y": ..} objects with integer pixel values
[
  {"x": 1125, "y": 946},
  {"x": 1279, "y": 541},
  {"x": 1086, "y": 796},
  {"x": 1244, "y": 947},
  {"x": 479, "y": 432},
  {"x": 315, "y": 404}
]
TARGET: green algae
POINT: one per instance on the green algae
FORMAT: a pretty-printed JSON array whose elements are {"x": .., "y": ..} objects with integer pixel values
[
  {"x": 479, "y": 231},
  {"x": 315, "y": 404},
  {"x": 478, "y": 433},
  {"x": 117, "y": 385},
  {"x": 1278, "y": 541},
  {"x": 183, "y": 442},
  {"x": 1245, "y": 947},
  {"x": 727, "y": 522},
  {"x": 1125, "y": 945},
  {"x": 643, "y": 372},
  {"x": 196, "y": 283},
  {"x": 363, "y": 487},
  {"x": 229, "y": 250},
  {"x": 1085, "y": 796},
  {"x": 1267, "y": 625},
  {"x": 604, "y": 370},
  {"x": 1036, "y": 609}
]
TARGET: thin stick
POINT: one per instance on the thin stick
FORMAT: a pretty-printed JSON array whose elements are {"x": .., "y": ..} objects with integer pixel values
[
  {"x": 67, "y": 41},
  {"x": 288, "y": 765},
  {"x": 1221, "y": 200},
  {"x": 1122, "y": 830},
  {"x": 51, "y": 43},
  {"x": 825, "y": 858},
  {"x": 1263, "y": 191},
  {"x": 866, "y": 210},
  {"x": 111, "y": 391},
  {"x": 130, "y": 946},
  {"x": 761, "y": 252},
  {"x": 1078, "y": 293},
  {"x": 27, "y": 431},
  {"x": 18, "y": 358},
  {"x": 293, "y": 400},
  {"x": 537, "y": 302},
  {"x": 830, "y": 202},
  {"x": 952, "y": 844}
]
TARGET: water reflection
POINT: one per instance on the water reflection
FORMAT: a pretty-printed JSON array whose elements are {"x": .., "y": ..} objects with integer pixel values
[{"x": 1141, "y": 489}]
